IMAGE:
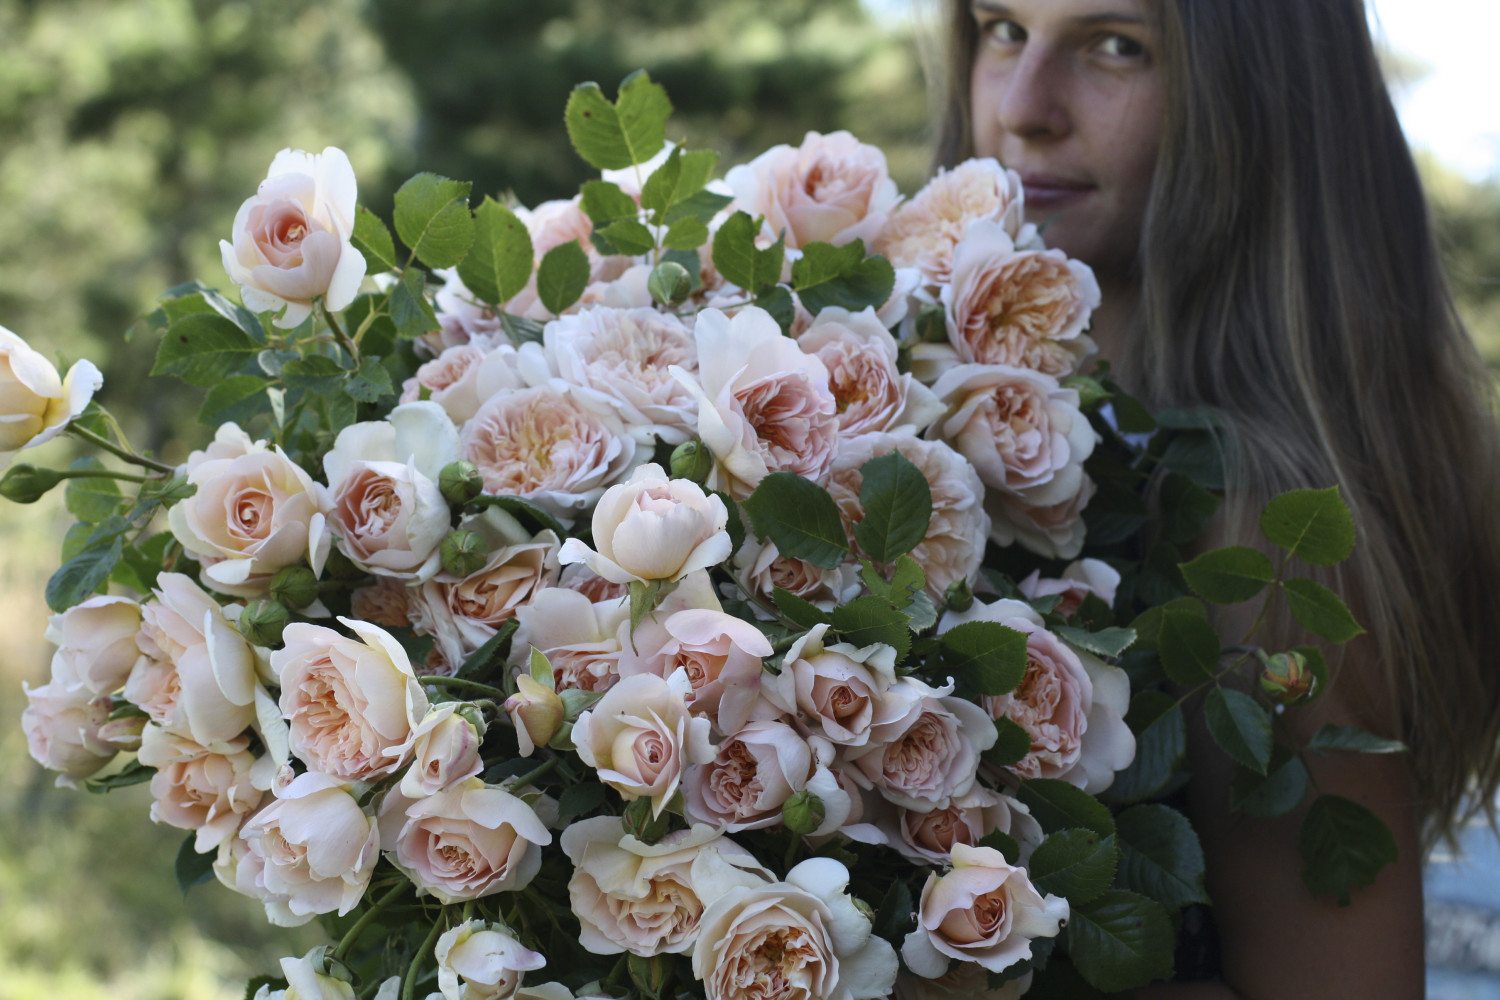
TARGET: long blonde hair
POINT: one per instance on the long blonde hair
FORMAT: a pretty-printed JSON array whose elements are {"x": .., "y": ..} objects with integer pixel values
[{"x": 1290, "y": 279}]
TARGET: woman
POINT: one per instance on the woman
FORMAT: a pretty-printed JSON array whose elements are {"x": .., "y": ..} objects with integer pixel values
[{"x": 1235, "y": 174}]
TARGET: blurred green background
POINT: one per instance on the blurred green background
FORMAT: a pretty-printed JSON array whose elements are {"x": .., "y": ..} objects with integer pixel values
[{"x": 130, "y": 132}]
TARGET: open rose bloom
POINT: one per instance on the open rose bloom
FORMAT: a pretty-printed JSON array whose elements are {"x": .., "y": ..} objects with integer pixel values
[{"x": 639, "y": 633}]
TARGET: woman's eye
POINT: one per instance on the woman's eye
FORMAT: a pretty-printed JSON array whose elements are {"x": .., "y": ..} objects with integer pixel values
[
  {"x": 1005, "y": 32},
  {"x": 1121, "y": 47}
]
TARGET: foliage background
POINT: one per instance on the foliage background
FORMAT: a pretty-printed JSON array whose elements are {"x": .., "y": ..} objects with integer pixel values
[{"x": 130, "y": 132}]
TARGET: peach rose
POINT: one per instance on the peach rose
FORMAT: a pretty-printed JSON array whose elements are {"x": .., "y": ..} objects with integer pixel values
[
  {"x": 924, "y": 232},
  {"x": 640, "y": 737},
  {"x": 720, "y": 654},
  {"x": 984, "y": 911},
  {"x": 837, "y": 689},
  {"x": 1079, "y": 580},
  {"x": 195, "y": 788},
  {"x": 579, "y": 637},
  {"x": 929, "y": 837},
  {"x": 860, "y": 355},
  {"x": 804, "y": 937},
  {"x": 764, "y": 404},
  {"x": 292, "y": 239},
  {"x": 353, "y": 704},
  {"x": 630, "y": 896},
  {"x": 590, "y": 584},
  {"x": 1070, "y": 702},
  {"x": 462, "y": 318},
  {"x": 386, "y": 602},
  {"x": 462, "y": 377},
  {"x": 468, "y": 841},
  {"x": 253, "y": 514},
  {"x": 1051, "y": 530},
  {"x": 35, "y": 404},
  {"x": 536, "y": 713},
  {"x": 445, "y": 750},
  {"x": 95, "y": 643},
  {"x": 478, "y": 960},
  {"x": 755, "y": 772},
  {"x": 759, "y": 568},
  {"x": 62, "y": 727},
  {"x": 311, "y": 978},
  {"x": 954, "y": 544},
  {"x": 831, "y": 189}
]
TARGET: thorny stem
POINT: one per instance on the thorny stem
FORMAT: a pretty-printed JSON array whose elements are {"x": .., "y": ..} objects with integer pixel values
[
  {"x": 409, "y": 983},
  {"x": 347, "y": 941}
]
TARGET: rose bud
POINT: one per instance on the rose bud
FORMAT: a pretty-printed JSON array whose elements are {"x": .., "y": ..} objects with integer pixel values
[
  {"x": 463, "y": 553},
  {"x": 36, "y": 404},
  {"x": 1286, "y": 677},
  {"x": 639, "y": 822},
  {"x": 669, "y": 283},
  {"x": 536, "y": 712},
  {"x": 294, "y": 586},
  {"x": 28, "y": 484},
  {"x": 262, "y": 622},
  {"x": 958, "y": 596},
  {"x": 124, "y": 733},
  {"x": 691, "y": 461},
  {"x": 460, "y": 482},
  {"x": 803, "y": 813},
  {"x": 650, "y": 974}
]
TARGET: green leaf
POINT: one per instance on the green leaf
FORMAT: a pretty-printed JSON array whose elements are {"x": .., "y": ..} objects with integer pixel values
[
  {"x": 686, "y": 234},
  {"x": 432, "y": 218},
  {"x": 1240, "y": 726},
  {"x": 1343, "y": 846},
  {"x": 529, "y": 513},
  {"x": 702, "y": 206},
  {"x": 133, "y": 773},
  {"x": 1160, "y": 744},
  {"x": 1279, "y": 792},
  {"x": 999, "y": 840},
  {"x": 738, "y": 259},
  {"x": 1121, "y": 941},
  {"x": 1314, "y": 525},
  {"x": 498, "y": 265},
  {"x": 800, "y": 518},
  {"x": 1320, "y": 611},
  {"x": 628, "y": 237},
  {"x": 79, "y": 577},
  {"x": 1353, "y": 738},
  {"x": 1160, "y": 856},
  {"x": 1229, "y": 575},
  {"x": 192, "y": 868},
  {"x": 1012, "y": 744},
  {"x": 843, "y": 276},
  {"x": 578, "y": 800},
  {"x": 867, "y": 620},
  {"x": 644, "y": 597},
  {"x": 1180, "y": 633},
  {"x": 898, "y": 507},
  {"x": 91, "y": 500},
  {"x": 370, "y": 383},
  {"x": 373, "y": 240},
  {"x": 521, "y": 330},
  {"x": 803, "y": 613},
  {"x": 777, "y": 301},
  {"x": 986, "y": 657},
  {"x": 893, "y": 920},
  {"x": 604, "y": 202},
  {"x": 236, "y": 398},
  {"x": 1058, "y": 805},
  {"x": 1197, "y": 455},
  {"x": 410, "y": 311},
  {"x": 678, "y": 179},
  {"x": 1108, "y": 643},
  {"x": 562, "y": 276},
  {"x": 203, "y": 349},
  {"x": 1075, "y": 864},
  {"x": 1185, "y": 508},
  {"x": 612, "y": 136},
  {"x": 478, "y": 663}
]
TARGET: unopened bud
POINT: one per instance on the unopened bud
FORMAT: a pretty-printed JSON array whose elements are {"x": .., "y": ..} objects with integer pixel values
[
  {"x": 642, "y": 825},
  {"x": 690, "y": 460},
  {"x": 650, "y": 975},
  {"x": 803, "y": 813},
  {"x": 669, "y": 283},
  {"x": 460, "y": 482},
  {"x": 536, "y": 711},
  {"x": 124, "y": 733},
  {"x": 958, "y": 596},
  {"x": 1285, "y": 677},
  {"x": 262, "y": 622},
  {"x": 463, "y": 553},
  {"x": 294, "y": 586},
  {"x": 472, "y": 714},
  {"x": 28, "y": 484}
]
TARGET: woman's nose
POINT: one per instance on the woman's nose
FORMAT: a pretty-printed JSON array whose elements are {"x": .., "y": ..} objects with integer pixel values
[{"x": 1034, "y": 103}]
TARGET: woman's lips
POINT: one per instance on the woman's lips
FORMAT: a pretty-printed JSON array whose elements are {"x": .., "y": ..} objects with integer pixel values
[{"x": 1045, "y": 192}]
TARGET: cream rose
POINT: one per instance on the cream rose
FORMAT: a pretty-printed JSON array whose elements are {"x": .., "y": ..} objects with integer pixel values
[
  {"x": 1051, "y": 530},
  {"x": 721, "y": 655},
  {"x": 1079, "y": 580},
  {"x": 62, "y": 727},
  {"x": 445, "y": 750},
  {"x": 468, "y": 841},
  {"x": 860, "y": 355},
  {"x": 581, "y": 639},
  {"x": 95, "y": 643},
  {"x": 640, "y": 736},
  {"x": 536, "y": 713},
  {"x": 651, "y": 527},
  {"x": 387, "y": 602},
  {"x": 309, "y": 978},
  {"x": 478, "y": 960},
  {"x": 929, "y": 837},
  {"x": 759, "y": 567},
  {"x": 835, "y": 690},
  {"x": 462, "y": 377},
  {"x": 630, "y": 896},
  {"x": 764, "y": 404},
  {"x": 462, "y": 318},
  {"x": 292, "y": 239},
  {"x": 35, "y": 404},
  {"x": 207, "y": 791},
  {"x": 984, "y": 911},
  {"x": 756, "y": 771},
  {"x": 352, "y": 704},
  {"x": 924, "y": 232},
  {"x": 831, "y": 189},
  {"x": 802, "y": 938}
]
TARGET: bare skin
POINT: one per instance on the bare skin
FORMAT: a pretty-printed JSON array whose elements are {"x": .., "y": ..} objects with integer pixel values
[{"x": 1069, "y": 93}]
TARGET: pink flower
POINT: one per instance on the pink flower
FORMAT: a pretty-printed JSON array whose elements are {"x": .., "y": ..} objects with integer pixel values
[
  {"x": 836, "y": 690},
  {"x": 860, "y": 355},
  {"x": 754, "y": 773},
  {"x": 62, "y": 728},
  {"x": 720, "y": 654},
  {"x": 470, "y": 840},
  {"x": 759, "y": 567},
  {"x": 1052, "y": 530},
  {"x": 482, "y": 961},
  {"x": 462, "y": 377},
  {"x": 195, "y": 788},
  {"x": 445, "y": 750},
  {"x": 924, "y": 746},
  {"x": 929, "y": 837},
  {"x": 95, "y": 643},
  {"x": 924, "y": 231},
  {"x": 1079, "y": 580},
  {"x": 386, "y": 602},
  {"x": 35, "y": 404},
  {"x": 579, "y": 637}
]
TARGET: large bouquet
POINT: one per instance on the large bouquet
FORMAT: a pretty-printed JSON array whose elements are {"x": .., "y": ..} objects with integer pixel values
[{"x": 658, "y": 593}]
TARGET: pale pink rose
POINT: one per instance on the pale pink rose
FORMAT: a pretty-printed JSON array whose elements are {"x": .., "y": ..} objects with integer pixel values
[
  {"x": 470, "y": 840},
  {"x": 624, "y": 356},
  {"x": 1079, "y": 580},
  {"x": 984, "y": 911},
  {"x": 196, "y": 675},
  {"x": 764, "y": 404},
  {"x": 590, "y": 584},
  {"x": 804, "y": 937},
  {"x": 313, "y": 851},
  {"x": 62, "y": 727},
  {"x": 630, "y": 896},
  {"x": 352, "y": 704},
  {"x": 1070, "y": 702},
  {"x": 831, "y": 189},
  {"x": 1023, "y": 308},
  {"x": 836, "y": 690},
  {"x": 926, "y": 229},
  {"x": 445, "y": 750},
  {"x": 35, "y": 403},
  {"x": 756, "y": 771},
  {"x": 579, "y": 637},
  {"x": 311, "y": 978},
  {"x": 760, "y": 568},
  {"x": 292, "y": 238},
  {"x": 860, "y": 355},
  {"x": 124, "y": 733},
  {"x": 230, "y": 441},
  {"x": 462, "y": 377},
  {"x": 536, "y": 713},
  {"x": 929, "y": 837},
  {"x": 1052, "y": 530},
  {"x": 386, "y": 602},
  {"x": 640, "y": 736},
  {"x": 546, "y": 445},
  {"x": 95, "y": 643},
  {"x": 954, "y": 544},
  {"x": 252, "y": 515},
  {"x": 721, "y": 655},
  {"x": 462, "y": 318},
  {"x": 653, "y": 528},
  {"x": 478, "y": 960},
  {"x": 924, "y": 746},
  {"x": 208, "y": 791}
]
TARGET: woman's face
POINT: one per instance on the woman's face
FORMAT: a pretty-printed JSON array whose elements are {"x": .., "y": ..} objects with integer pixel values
[{"x": 1069, "y": 94}]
